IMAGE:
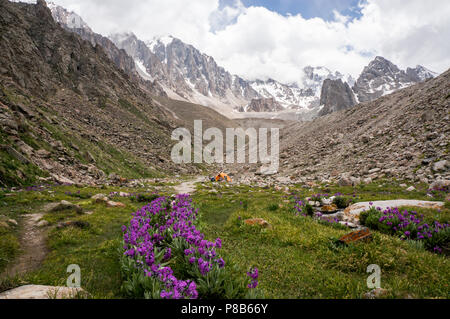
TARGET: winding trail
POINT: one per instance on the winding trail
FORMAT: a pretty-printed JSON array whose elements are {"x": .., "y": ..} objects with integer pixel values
[
  {"x": 189, "y": 186},
  {"x": 32, "y": 244}
]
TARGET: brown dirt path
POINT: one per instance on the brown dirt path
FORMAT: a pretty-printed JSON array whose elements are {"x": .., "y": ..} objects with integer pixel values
[
  {"x": 33, "y": 246},
  {"x": 189, "y": 186}
]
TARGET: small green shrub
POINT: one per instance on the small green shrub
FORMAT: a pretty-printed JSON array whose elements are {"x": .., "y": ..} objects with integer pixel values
[
  {"x": 341, "y": 202},
  {"x": 309, "y": 210},
  {"x": 144, "y": 198}
]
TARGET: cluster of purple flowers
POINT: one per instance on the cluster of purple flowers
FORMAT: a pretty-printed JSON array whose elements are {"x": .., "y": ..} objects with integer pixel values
[
  {"x": 401, "y": 221},
  {"x": 300, "y": 207},
  {"x": 162, "y": 222},
  {"x": 253, "y": 274},
  {"x": 331, "y": 220},
  {"x": 411, "y": 225},
  {"x": 202, "y": 252}
]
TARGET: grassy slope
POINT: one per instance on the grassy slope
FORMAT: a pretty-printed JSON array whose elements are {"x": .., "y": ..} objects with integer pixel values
[
  {"x": 109, "y": 158},
  {"x": 94, "y": 249},
  {"x": 297, "y": 258}
]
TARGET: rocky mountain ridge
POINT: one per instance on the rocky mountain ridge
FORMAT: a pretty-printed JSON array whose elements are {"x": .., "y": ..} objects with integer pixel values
[
  {"x": 382, "y": 77},
  {"x": 336, "y": 96},
  {"x": 74, "y": 23},
  {"x": 402, "y": 136},
  {"x": 184, "y": 73}
]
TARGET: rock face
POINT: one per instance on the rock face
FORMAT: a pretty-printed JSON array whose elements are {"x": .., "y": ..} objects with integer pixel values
[
  {"x": 185, "y": 72},
  {"x": 264, "y": 105},
  {"x": 382, "y": 77},
  {"x": 74, "y": 23},
  {"x": 389, "y": 137},
  {"x": 336, "y": 96},
  {"x": 54, "y": 84},
  {"x": 420, "y": 74},
  {"x": 303, "y": 96}
]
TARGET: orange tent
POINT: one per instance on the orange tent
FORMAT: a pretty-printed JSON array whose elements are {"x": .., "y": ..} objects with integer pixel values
[{"x": 223, "y": 177}]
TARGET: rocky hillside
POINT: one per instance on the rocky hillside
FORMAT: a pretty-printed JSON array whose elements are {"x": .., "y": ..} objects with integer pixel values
[
  {"x": 402, "y": 135},
  {"x": 381, "y": 77},
  {"x": 68, "y": 113},
  {"x": 263, "y": 105}
]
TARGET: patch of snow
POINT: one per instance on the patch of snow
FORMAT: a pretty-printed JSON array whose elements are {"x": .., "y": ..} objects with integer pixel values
[
  {"x": 142, "y": 70},
  {"x": 166, "y": 40},
  {"x": 25, "y": 1}
]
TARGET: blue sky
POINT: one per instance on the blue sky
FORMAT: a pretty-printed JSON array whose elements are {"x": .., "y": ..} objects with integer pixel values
[{"x": 307, "y": 8}]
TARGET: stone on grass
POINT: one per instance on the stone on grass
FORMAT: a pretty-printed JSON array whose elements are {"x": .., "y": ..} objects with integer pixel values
[
  {"x": 62, "y": 180},
  {"x": 357, "y": 236},
  {"x": 43, "y": 292},
  {"x": 411, "y": 189},
  {"x": 440, "y": 166},
  {"x": 329, "y": 208},
  {"x": 114, "y": 204},
  {"x": 314, "y": 203},
  {"x": 100, "y": 198},
  {"x": 258, "y": 221},
  {"x": 345, "y": 181},
  {"x": 13, "y": 222},
  {"x": 339, "y": 215},
  {"x": 63, "y": 205}
]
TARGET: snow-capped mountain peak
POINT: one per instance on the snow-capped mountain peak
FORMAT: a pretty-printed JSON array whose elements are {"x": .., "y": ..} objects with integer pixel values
[
  {"x": 382, "y": 77},
  {"x": 67, "y": 18},
  {"x": 420, "y": 73},
  {"x": 164, "y": 41},
  {"x": 184, "y": 72}
]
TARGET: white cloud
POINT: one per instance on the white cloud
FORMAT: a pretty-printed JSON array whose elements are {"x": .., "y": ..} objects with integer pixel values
[{"x": 254, "y": 42}]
